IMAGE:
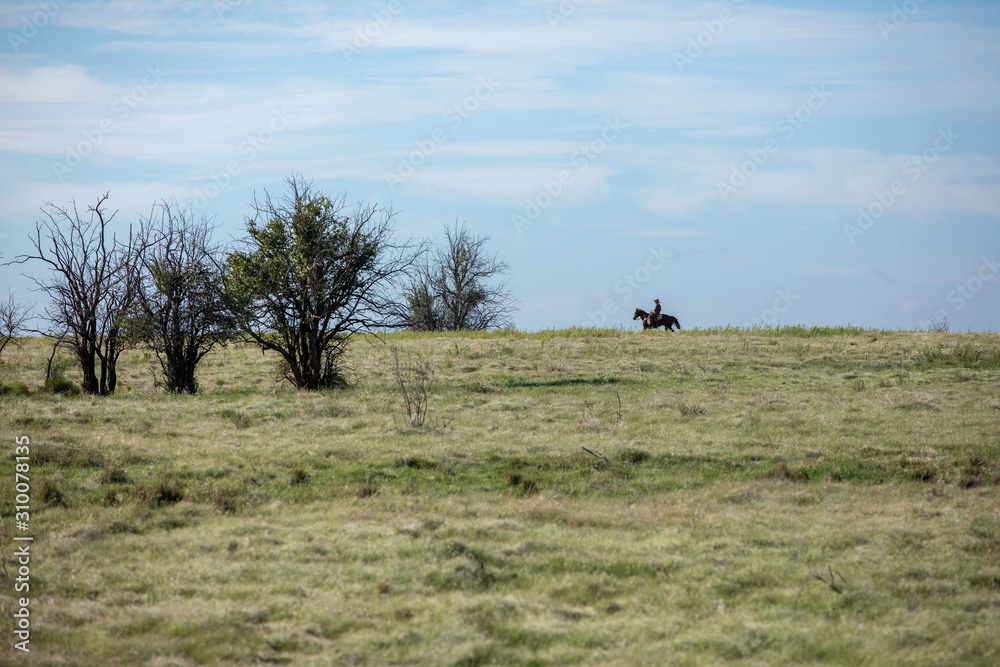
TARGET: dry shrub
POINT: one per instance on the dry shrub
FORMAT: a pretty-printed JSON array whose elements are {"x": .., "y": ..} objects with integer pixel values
[{"x": 164, "y": 492}]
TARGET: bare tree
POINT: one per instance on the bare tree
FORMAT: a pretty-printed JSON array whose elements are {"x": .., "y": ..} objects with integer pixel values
[
  {"x": 180, "y": 313},
  {"x": 13, "y": 315},
  {"x": 414, "y": 382},
  {"x": 460, "y": 287},
  {"x": 311, "y": 273},
  {"x": 93, "y": 281}
]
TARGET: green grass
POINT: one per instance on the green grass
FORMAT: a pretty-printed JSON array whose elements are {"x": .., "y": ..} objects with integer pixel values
[{"x": 758, "y": 496}]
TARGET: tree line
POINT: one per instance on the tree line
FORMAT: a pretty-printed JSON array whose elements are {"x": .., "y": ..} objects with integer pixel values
[{"x": 311, "y": 271}]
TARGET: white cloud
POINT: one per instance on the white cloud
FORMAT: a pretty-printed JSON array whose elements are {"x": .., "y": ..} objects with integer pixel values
[
  {"x": 51, "y": 84},
  {"x": 509, "y": 185},
  {"x": 666, "y": 233},
  {"x": 853, "y": 178},
  {"x": 130, "y": 199}
]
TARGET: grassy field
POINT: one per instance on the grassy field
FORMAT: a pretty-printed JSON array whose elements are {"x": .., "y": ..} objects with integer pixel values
[{"x": 602, "y": 497}]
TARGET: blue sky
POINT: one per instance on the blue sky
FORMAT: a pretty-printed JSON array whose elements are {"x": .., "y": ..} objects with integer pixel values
[{"x": 822, "y": 163}]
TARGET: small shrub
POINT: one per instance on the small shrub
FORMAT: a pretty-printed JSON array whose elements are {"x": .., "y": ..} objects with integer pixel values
[
  {"x": 923, "y": 473},
  {"x": 523, "y": 484},
  {"x": 634, "y": 456},
  {"x": 120, "y": 527},
  {"x": 975, "y": 463},
  {"x": 226, "y": 499},
  {"x": 528, "y": 486},
  {"x": 60, "y": 386},
  {"x": 970, "y": 481},
  {"x": 415, "y": 463},
  {"x": 69, "y": 453},
  {"x": 483, "y": 387},
  {"x": 164, "y": 492},
  {"x": 988, "y": 580},
  {"x": 113, "y": 497},
  {"x": 115, "y": 475},
  {"x": 782, "y": 471},
  {"x": 16, "y": 389},
  {"x": 51, "y": 494},
  {"x": 240, "y": 419},
  {"x": 414, "y": 383},
  {"x": 691, "y": 409},
  {"x": 976, "y": 472},
  {"x": 366, "y": 491}
]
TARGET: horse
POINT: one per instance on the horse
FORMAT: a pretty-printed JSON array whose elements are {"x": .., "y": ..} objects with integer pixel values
[
  {"x": 641, "y": 314},
  {"x": 661, "y": 320}
]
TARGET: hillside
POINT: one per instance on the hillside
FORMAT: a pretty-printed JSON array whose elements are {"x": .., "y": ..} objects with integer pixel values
[{"x": 614, "y": 497}]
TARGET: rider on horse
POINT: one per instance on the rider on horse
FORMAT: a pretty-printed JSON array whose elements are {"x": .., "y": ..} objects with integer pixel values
[{"x": 655, "y": 315}]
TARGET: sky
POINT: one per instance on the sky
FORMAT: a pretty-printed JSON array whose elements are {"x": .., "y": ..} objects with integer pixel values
[{"x": 746, "y": 162}]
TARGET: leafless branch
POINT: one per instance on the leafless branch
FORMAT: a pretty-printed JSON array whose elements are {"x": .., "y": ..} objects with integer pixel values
[
  {"x": 13, "y": 315},
  {"x": 460, "y": 287},
  {"x": 92, "y": 283}
]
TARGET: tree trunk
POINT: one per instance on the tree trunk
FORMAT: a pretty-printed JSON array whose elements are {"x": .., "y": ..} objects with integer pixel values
[{"x": 88, "y": 359}]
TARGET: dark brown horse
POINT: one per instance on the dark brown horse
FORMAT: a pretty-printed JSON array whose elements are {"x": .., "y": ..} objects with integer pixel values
[{"x": 650, "y": 321}]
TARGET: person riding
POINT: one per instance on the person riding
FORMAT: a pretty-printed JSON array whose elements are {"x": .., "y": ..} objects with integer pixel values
[{"x": 655, "y": 315}]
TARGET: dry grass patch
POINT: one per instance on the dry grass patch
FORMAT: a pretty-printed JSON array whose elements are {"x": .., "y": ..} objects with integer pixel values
[{"x": 767, "y": 497}]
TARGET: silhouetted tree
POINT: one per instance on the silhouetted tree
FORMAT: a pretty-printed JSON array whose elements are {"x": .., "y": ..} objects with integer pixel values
[{"x": 92, "y": 285}]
